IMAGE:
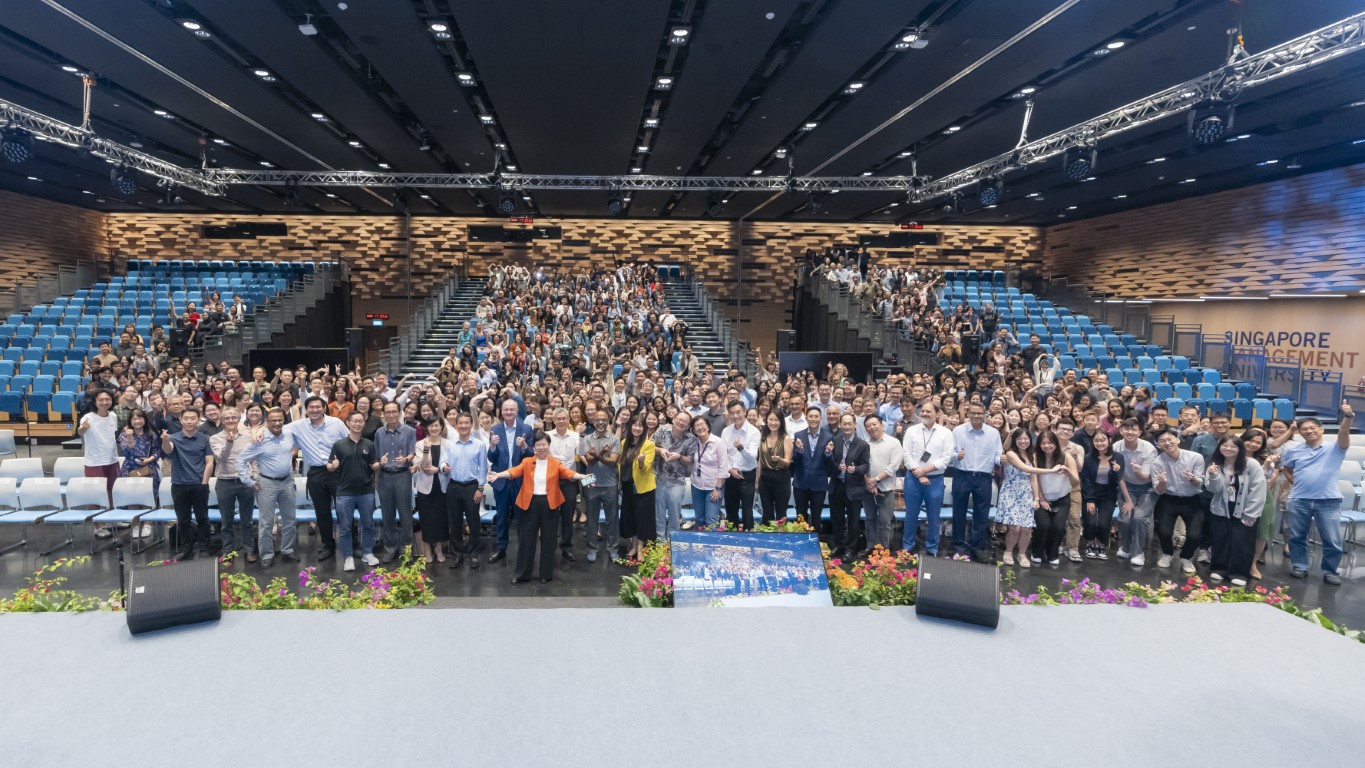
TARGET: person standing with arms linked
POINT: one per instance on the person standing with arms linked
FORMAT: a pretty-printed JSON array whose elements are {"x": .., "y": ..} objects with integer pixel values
[
  {"x": 271, "y": 455},
  {"x": 810, "y": 467},
  {"x": 314, "y": 436},
  {"x": 539, "y": 499},
  {"x": 928, "y": 450},
  {"x": 1313, "y": 496},
  {"x": 354, "y": 461},
  {"x": 509, "y": 443},
  {"x": 978, "y": 454},
  {"x": 191, "y": 468}
]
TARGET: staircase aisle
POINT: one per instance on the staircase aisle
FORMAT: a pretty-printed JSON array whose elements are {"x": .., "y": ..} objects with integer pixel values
[
  {"x": 704, "y": 339},
  {"x": 427, "y": 357}
]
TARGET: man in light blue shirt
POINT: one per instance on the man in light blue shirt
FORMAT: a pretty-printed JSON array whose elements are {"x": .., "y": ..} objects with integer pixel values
[
  {"x": 978, "y": 450},
  {"x": 1313, "y": 497},
  {"x": 466, "y": 466},
  {"x": 272, "y": 459},
  {"x": 314, "y": 437}
]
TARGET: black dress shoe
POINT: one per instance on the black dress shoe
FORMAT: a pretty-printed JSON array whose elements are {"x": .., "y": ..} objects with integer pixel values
[
  {"x": 292, "y": 557},
  {"x": 568, "y": 555},
  {"x": 474, "y": 561},
  {"x": 326, "y": 553},
  {"x": 515, "y": 580},
  {"x": 455, "y": 561},
  {"x": 186, "y": 554},
  {"x": 501, "y": 554},
  {"x": 546, "y": 581},
  {"x": 251, "y": 556}
]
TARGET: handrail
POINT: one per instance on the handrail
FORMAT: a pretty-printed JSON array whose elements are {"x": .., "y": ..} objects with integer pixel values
[
  {"x": 884, "y": 338},
  {"x": 737, "y": 349},
  {"x": 403, "y": 344}
]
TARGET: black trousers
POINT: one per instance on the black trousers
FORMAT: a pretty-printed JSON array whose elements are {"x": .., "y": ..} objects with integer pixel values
[
  {"x": 1095, "y": 525},
  {"x": 538, "y": 525},
  {"x": 1169, "y": 508},
  {"x": 191, "y": 499},
  {"x": 774, "y": 491},
  {"x": 1050, "y": 528},
  {"x": 843, "y": 519},
  {"x": 462, "y": 510},
  {"x": 739, "y": 500},
  {"x": 809, "y": 505},
  {"x": 1234, "y": 545},
  {"x": 322, "y": 491},
  {"x": 570, "y": 490}
]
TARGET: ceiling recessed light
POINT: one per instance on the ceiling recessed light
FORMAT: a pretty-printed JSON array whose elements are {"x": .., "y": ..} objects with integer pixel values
[
  {"x": 1242, "y": 136},
  {"x": 1191, "y": 28},
  {"x": 267, "y": 164},
  {"x": 86, "y": 192},
  {"x": 810, "y": 126},
  {"x": 1114, "y": 46},
  {"x": 191, "y": 25},
  {"x": 202, "y": 34},
  {"x": 1187, "y": 181},
  {"x": 385, "y": 166},
  {"x": 71, "y": 69},
  {"x": 318, "y": 116},
  {"x": 642, "y": 148},
  {"x": 261, "y": 72},
  {"x": 331, "y": 195},
  {"x": 1088, "y": 178},
  {"x": 268, "y": 79},
  {"x": 952, "y": 129},
  {"x": 220, "y": 142},
  {"x": 651, "y": 122},
  {"x": 910, "y": 37},
  {"x": 907, "y": 153},
  {"x": 663, "y": 83},
  {"x": 681, "y": 31},
  {"x": 500, "y": 145},
  {"x": 441, "y": 35},
  {"x": 1156, "y": 160},
  {"x": 758, "y": 171},
  {"x": 1026, "y": 90},
  {"x": 486, "y": 119},
  {"x": 1071, "y": 207},
  {"x": 465, "y": 78},
  {"x": 855, "y": 86},
  {"x": 353, "y": 143},
  {"x": 867, "y": 173},
  {"x": 780, "y": 152},
  {"x": 636, "y": 169},
  {"x": 438, "y": 26},
  {"x": 1119, "y": 197},
  {"x": 425, "y": 196},
  {"x": 1271, "y": 161},
  {"x": 511, "y": 167},
  {"x": 1102, "y": 51},
  {"x": 1031, "y": 194},
  {"x": 34, "y": 178}
]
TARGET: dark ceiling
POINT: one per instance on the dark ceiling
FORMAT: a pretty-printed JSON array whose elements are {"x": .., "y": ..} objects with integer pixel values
[{"x": 572, "y": 87}]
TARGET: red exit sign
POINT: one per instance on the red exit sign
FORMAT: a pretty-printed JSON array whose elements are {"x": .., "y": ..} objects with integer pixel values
[{"x": 377, "y": 316}]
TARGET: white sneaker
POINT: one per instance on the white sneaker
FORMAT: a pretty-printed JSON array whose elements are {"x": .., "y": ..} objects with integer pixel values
[
  {"x": 1164, "y": 562},
  {"x": 1139, "y": 560},
  {"x": 1036, "y": 559},
  {"x": 1122, "y": 554},
  {"x": 103, "y": 533},
  {"x": 370, "y": 560},
  {"x": 1054, "y": 561},
  {"x": 136, "y": 533},
  {"x": 1073, "y": 555},
  {"x": 1215, "y": 576},
  {"x": 349, "y": 565},
  {"x": 146, "y": 531},
  {"x": 1186, "y": 565},
  {"x": 1203, "y": 556},
  {"x": 1239, "y": 582}
]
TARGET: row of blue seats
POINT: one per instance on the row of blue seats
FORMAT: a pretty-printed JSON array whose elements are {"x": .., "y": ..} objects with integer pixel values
[
  {"x": 35, "y": 368},
  {"x": 972, "y": 275},
  {"x": 1242, "y": 411},
  {"x": 299, "y": 267},
  {"x": 58, "y": 352}
]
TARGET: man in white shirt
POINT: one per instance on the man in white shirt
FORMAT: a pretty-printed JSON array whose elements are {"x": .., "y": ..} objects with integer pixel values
[
  {"x": 885, "y": 459},
  {"x": 1135, "y": 517},
  {"x": 741, "y": 445},
  {"x": 564, "y": 447},
  {"x": 928, "y": 450},
  {"x": 1178, "y": 478},
  {"x": 979, "y": 449}
]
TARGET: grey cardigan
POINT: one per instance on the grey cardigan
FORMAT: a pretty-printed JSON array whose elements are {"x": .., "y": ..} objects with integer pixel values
[{"x": 1251, "y": 500}]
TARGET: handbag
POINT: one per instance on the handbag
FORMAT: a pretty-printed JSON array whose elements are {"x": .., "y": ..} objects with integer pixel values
[{"x": 142, "y": 471}]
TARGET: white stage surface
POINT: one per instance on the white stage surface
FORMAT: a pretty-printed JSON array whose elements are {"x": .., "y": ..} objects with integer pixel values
[{"x": 1063, "y": 686}]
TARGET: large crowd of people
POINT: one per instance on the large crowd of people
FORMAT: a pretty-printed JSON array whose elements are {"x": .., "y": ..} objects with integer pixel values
[{"x": 576, "y": 405}]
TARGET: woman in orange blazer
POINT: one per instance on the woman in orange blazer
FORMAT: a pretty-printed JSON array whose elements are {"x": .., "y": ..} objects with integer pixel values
[{"x": 539, "y": 501}]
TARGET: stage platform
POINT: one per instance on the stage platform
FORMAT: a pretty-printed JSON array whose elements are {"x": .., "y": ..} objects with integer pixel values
[{"x": 1065, "y": 686}]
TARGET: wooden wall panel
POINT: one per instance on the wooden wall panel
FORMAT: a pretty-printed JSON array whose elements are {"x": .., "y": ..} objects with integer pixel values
[
  {"x": 37, "y": 236},
  {"x": 1297, "y": 234},
  {"x": 374, "y": 246}
]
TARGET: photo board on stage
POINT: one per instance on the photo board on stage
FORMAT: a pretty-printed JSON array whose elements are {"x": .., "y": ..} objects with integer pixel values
[{"x": 748, "y": 570}]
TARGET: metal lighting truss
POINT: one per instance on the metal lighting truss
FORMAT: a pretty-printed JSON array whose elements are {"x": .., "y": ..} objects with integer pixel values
[
  {"x": 1221, "y": 85},
  {"x": 50, "y": 129},
  {"x": 527, "y": 181}
]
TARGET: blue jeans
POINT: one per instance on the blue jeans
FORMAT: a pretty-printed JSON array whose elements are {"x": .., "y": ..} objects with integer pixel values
[
  {"x": 931, "y": 497},
  {"x": 1302, "y": 514},
  {"x": 668, "y": 509},
  {"x": 972, "y": 488},
  {"x": 347, "y": 507},
  {"x": 706, "y": 509}
]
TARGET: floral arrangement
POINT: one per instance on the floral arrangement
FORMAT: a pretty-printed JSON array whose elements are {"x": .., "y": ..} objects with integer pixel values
[
  {"x": 404, "y": 587},
  {"x": 651, "y": 586},
  {"x": 884, "y": 578},
  {"x": 43, "y": 593}
]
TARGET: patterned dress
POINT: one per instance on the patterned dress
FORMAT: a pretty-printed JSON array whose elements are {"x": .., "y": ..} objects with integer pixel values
[{"x": 1015, "y": 504}]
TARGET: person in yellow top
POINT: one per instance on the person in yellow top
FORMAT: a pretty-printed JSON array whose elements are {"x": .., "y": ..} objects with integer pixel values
[{"x": 638, "y": 454}]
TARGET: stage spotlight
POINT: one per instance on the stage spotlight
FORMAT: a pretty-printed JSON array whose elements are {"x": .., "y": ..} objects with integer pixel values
[
  {"x": 1079, "y": 164},
  {"x": 16, "y": 146},
  {"x": 124, "y": 182},
  {"x": 1209, "y": 126},
  {"x": 170, "y": 198},
  {"x": 400, "y": 201},
  {"x": 714, "y": 205},
  {"x": 615, "y": 206},
  {"x": 951, "y": 207},
  {"x": 991, "y": 191},
  {"x": 507, "y": 204}
]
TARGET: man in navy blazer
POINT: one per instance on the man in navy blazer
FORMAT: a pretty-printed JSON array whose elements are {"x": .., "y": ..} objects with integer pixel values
[
  {"x": 509, "y": 443},
  {"x": 811, "y": 467}
]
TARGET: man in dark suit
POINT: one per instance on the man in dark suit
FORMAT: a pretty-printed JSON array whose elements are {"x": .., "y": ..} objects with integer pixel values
[
  {"x": 864, "y": 260},
  {"x": 811, "y": 467},
  {"x": 849, "y": 456},
  {"x": 509, "y": 443}
]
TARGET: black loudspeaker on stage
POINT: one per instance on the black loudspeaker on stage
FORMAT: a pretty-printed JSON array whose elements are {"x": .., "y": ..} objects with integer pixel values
[
  {"x": 959, "y": 590},
  {"x": 174, "y": 594}
]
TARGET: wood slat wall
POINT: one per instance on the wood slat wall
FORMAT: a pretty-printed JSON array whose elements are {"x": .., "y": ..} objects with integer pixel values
[
  {"x": 375, "y": 248},
  {"x": 37, "y": 236},
  {"x": 1297, "y": 234}
]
